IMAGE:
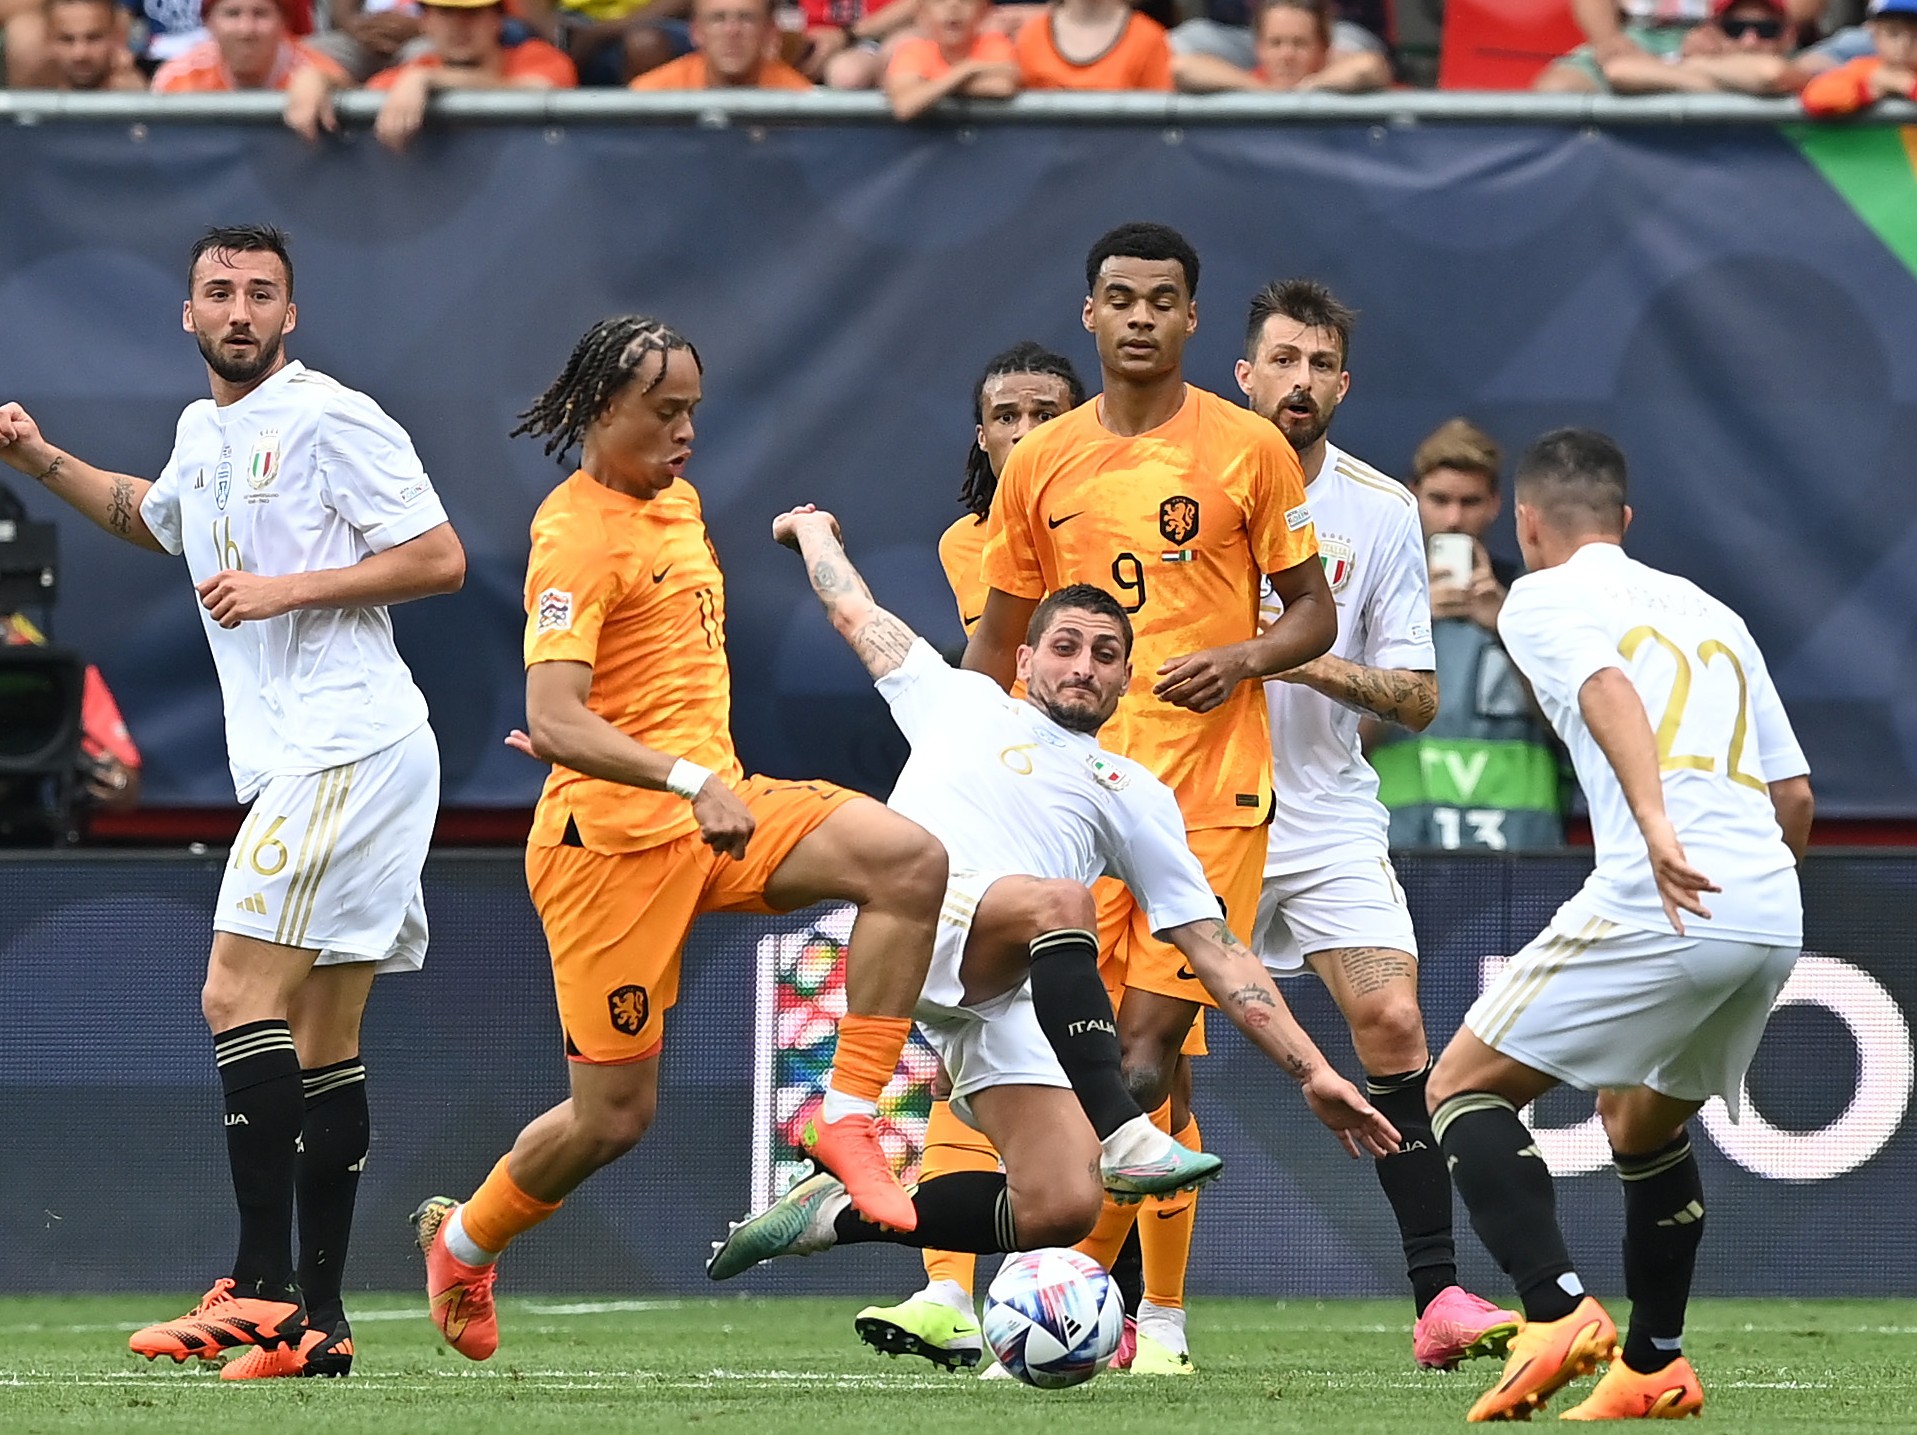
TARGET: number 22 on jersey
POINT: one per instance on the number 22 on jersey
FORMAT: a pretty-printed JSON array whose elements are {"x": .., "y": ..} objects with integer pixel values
[{"x": 1669, "y": 759}]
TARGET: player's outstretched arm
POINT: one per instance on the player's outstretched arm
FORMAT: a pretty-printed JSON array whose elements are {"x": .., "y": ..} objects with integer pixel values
[
  {"x": 879, "y": 638},
  {"x": 1245, "y": 993},
  {"x": 1614, "y": 713},
  {"x": 111, "y": 500},
  {"x": 1400, "y": 695}
]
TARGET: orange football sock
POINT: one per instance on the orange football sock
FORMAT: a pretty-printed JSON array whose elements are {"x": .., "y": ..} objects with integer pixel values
[
  {"x": 1164, "y": 1235},
  {"x": 868, "y": 1053},
  {"x": 499, "y": 1210},
  {"x": 1115, "y": 1222},
  {"x": 951, "y": 1145}
]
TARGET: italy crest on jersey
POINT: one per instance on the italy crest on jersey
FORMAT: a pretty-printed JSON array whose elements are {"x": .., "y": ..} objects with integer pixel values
[
  {"x": 264, "y": 461},
  {"x": 1340, "y": 561},
  {"x": 1108, "y": 773}
]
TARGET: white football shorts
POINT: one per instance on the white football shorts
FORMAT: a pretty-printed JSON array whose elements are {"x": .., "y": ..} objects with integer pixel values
[
  {"x": 1596, "y": 1005},
  {"x": 996, "y": 1042},
  {"x": 1356, "y": 902},
  {"x": 331, "y": 860}
]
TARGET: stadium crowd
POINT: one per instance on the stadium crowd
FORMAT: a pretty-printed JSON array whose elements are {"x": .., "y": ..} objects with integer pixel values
[{"x": 1840, "y": 55}]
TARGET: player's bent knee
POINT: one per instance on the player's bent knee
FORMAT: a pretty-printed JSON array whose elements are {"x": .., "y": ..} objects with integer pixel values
[
  {"x": 1147, "y": 1078},
  {"x": 1389, "y": 1035},
  {"x": 1058, "y": 905},
  {"x": 1063, "y": 1216}
]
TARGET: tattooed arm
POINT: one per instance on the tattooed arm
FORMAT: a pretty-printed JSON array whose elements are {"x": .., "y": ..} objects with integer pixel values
[
  {"x": 1243, "y": 989},
  {"x": 1397, "y": 695},
  {"x": 111, "y": 500},
  {"x": 879, "y": 638}
]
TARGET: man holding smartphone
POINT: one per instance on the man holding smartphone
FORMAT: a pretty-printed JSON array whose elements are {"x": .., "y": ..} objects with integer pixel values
[{"x": 1486, "y": 771}]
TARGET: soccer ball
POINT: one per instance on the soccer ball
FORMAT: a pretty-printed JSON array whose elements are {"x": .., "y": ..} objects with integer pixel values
[{"x": 1053, "y": 1318}]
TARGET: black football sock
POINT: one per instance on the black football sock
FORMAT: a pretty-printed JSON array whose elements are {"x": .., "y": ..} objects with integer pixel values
[
  {"x": 1663, "y": 1227},
  {"x": 1500, "y": 1173},
  {"x": 260, "y": 1074},
  {"x": 1128, "y": 1272},
  {"x": 1417, "y": 1185},
  {"x": 963, "y": 1211},
  {"x": 1076, "y": 1016},
  {"x": 332, "y": 1153}
]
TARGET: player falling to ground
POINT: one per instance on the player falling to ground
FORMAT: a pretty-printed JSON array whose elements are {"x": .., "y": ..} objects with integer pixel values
[
  {"x": 1181, "y": 503},
  {"x": 302, "y": 512},
  {"x": 1331, "y": 900},
  {"x": 1021, "y": 388},
  {"x": 1030, "y": 809},
  {"x": 1652, "y": 985},
  {"x": 648, "y": 820}
]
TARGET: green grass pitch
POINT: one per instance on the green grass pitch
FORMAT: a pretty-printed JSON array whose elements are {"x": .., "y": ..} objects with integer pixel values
[{"x": 582, "y": 1366}]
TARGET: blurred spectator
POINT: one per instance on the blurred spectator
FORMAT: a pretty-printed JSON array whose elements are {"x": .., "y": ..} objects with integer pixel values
[
  {"x": 365, "y": 36},
  {"x": 736, "y": 48},
  {"x": 954, "y": 55},
  {"x": 250, "y": 48},
  {"x": 1888, "y": 72},
  {"x": 70, "y": 45},
  {"x": 1486, "y": 772},
  {"x": 847, "y": 42},
  {"x": 1626, "y": 30},
  {"x": 1231, "y": 32},
  {"x": 1093, "y": 45},
  {"x": 611, "y": 41},
  {"x": 462, "y": 48},
  {"x": 109, "y": 762},
  {"x": 1742, "y": 49},
  {"x": 1293, "y": 48},
  {"x": 166, "y": 29}
]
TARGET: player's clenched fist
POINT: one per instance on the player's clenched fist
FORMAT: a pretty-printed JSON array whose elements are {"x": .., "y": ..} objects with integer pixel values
[
  {"x": 233, "y": 597},
  {"x": 725, "y": 823},
  {"x": 787, "y": 526},
  {"x": 20, "y": 442}
]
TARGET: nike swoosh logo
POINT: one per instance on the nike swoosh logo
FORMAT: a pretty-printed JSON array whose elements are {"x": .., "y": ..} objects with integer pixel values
[
  {"x": 660, "y": 576},
  {"x": 1056, "y": 522},
  {"x": 1185, "y": 974},
  {"x": 965, "y": 622}
]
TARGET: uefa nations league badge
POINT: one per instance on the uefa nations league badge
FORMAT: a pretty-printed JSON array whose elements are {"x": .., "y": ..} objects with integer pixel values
[{"x": 223, "y": 477}]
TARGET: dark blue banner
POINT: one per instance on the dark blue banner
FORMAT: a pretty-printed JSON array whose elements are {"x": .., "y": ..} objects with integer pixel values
[
  {"x": 107, "y": 1078},
  {"x": 1706, "y": 294}
]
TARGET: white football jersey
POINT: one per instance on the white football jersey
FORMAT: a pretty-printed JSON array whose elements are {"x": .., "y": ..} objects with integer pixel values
[
  {"x": 1006, "y": 789},
  {"x": 1325, "y": 806},
  {"x": 1722, "y": 737},
  {"x": 300, "y": 475}
]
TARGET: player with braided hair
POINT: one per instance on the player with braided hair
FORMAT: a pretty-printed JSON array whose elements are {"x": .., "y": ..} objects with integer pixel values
[
  {"x": 1023, "y": 387},
  {"x": 647, "y": 819}
]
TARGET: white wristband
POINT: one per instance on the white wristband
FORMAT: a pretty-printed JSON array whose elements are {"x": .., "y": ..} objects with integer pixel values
[{"x": 686, "y": 778}]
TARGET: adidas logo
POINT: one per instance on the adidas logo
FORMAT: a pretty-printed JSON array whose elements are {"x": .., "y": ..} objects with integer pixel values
[
  {"x": 1689, "y": 1216},
  {"x": 255, "y": 903}
]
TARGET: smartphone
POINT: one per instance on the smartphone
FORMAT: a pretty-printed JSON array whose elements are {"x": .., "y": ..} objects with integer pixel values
[{"x": 1450, "y": 557}]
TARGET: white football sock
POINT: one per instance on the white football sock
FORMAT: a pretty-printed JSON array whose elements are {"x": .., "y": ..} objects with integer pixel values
[
  {"x": 1164, "y": 1324},
  {"x": 464, "y": 1250},
  {"x": 1136, "y": 1141},
  {"x": 838, "y": 1106}
]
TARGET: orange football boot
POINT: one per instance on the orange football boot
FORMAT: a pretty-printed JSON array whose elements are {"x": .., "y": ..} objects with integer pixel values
[
  {"x": 317, "y": 1353},
  {"x": 224, "y": 1320},
  {"x": 1627, "y": 1394},
  {"x": 849, "y": 1148},
  {"x": 1545, "y": 1356},
  {"x": 461, "y": 1296}
]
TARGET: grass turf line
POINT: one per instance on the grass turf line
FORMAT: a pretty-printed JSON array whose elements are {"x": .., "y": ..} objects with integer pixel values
[{"x": 573, "y": 1365}]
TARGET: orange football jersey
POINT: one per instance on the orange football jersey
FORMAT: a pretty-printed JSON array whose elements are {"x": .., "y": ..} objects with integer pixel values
[
  {"x": 631, "y": 587},
  {"x": 960, "y": 548},
  {"x": 1178, "y": 524}
]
